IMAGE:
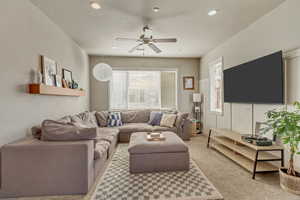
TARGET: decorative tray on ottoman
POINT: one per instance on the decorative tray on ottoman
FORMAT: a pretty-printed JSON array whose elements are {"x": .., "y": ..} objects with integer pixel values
[{"x": 155, "y": 136}]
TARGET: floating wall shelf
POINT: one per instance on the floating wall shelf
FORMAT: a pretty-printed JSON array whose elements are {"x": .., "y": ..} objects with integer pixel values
[{"x": 56, "y": 91}]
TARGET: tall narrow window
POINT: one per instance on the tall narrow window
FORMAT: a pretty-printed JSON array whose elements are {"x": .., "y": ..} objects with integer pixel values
[
  {"x": 143, "y": 89},
  {"x": 216, "y": 86}
]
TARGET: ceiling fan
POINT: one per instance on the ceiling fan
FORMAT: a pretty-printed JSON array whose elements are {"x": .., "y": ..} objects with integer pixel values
[{"x": 147, "y": 39}]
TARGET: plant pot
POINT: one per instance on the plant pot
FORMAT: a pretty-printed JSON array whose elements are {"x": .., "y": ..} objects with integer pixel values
[{"x": 289, "y": 183}]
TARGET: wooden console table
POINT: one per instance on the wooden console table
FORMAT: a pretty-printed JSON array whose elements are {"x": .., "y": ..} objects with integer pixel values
[{"x": 256, "y": 159}]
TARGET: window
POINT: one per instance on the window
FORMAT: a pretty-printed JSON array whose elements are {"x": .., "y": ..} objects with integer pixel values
[
  {"x": 143, "y": 89},
  {"x": 216, "y": 86}
]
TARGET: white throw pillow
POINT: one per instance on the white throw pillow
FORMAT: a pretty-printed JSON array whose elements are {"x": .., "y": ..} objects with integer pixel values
[{"x": 168, "y": 120}]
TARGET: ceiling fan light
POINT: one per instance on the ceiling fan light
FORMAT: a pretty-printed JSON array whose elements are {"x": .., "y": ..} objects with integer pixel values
[{"x": 95, "y": 5}]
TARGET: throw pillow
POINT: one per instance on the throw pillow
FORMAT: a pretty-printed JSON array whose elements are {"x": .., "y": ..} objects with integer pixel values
[
  {"x": 155, "y": 118},
  {"x": 85, "y": 120},
  {"x": 102, "y": 118},
  {"x": 168, "y": 120},
  {"x": 58, "y": 131},
  {"x": 114, "y": 119}
]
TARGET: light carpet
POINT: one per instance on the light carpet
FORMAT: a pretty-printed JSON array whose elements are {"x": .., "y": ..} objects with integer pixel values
[{"x": 118, "y": 184}]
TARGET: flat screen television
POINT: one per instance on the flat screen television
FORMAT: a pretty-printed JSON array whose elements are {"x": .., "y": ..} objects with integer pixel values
[{"x": 260, "y": 81}]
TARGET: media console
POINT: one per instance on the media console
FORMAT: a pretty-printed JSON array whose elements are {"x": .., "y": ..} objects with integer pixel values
[{"x": 256, "y": 159}]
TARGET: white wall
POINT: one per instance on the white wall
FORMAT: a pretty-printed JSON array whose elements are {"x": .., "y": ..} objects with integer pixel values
[
  {"x": 278, "y": 30},
  {"x": 184, "y": 66},
  {"x": 25, "y": 33}
]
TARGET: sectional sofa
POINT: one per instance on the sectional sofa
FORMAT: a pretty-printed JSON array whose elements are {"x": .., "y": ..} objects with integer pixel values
[{"x": 35, "y": 167}]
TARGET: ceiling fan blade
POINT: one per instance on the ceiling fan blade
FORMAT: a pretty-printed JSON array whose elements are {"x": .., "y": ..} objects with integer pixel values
[
  {"x": 135, "y": 48},
  {"x": 154, "y": 48},
  {"x": 165, "y": 40},
  {"x": 127, "y": 39}
]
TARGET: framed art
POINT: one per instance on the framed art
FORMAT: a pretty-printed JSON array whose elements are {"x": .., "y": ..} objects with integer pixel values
[
  {"x": 49, "y": 70},
  {"x": 67, "y": 75},
  {"x": 58, "y": 81},
  {"x": 188, "y": 83}
]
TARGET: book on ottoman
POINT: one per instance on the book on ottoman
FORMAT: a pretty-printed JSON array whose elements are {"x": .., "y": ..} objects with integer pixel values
[{"x": 155, "y": 137}]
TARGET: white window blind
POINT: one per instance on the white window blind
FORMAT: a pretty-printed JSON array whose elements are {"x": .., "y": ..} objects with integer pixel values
[{"x": 143, "y": 89}]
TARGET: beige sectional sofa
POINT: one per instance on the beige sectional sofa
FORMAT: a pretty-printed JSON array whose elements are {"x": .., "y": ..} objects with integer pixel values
[{"x": 34, "y": 167}]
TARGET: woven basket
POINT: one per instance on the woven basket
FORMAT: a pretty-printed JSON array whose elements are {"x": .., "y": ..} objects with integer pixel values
[{"x": 289, "y": 183}]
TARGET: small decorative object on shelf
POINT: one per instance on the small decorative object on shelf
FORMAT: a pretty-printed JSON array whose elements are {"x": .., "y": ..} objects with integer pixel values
[
  {"x": 257, "y": 140},
  {"x": 74, "y": 85},
  {"x": 64, "y": 83}
]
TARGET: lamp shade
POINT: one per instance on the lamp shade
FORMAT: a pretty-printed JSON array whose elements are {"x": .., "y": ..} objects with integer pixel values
[
  {"x": 102, "y": 72},
  {"x": 196, "y": 97}
]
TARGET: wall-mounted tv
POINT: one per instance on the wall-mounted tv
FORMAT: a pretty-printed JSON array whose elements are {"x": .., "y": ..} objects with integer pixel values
[{"x": 260, "y": 81}]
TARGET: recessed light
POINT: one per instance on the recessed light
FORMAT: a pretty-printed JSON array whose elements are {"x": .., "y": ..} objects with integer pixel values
[
  {"x": 212, "y": 12},
  {"x": 156, "y": 9},
  {"x": 95, "y": 5},
  {"x": 115, "y": 47}
]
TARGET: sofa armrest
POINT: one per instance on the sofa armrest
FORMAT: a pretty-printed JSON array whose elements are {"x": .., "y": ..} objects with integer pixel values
[
  {"x": 186, "y": 129},
  {"x": 33, "y": 167}
]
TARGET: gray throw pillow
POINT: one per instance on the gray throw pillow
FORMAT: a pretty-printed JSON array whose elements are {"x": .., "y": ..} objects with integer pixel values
[
  {"x": 102, "y": 118},
  {"x": 155, "y": 118}
]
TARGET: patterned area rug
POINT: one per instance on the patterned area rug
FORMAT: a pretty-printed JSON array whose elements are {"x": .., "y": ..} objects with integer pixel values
[{"x": 118, "y": 184}]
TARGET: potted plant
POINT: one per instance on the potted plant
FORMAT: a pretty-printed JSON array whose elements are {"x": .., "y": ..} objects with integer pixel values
[{"x": 286, "y": 126}]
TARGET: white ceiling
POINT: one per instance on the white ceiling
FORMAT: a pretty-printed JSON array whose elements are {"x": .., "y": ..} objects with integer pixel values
[{"x": 197, "y": 33}]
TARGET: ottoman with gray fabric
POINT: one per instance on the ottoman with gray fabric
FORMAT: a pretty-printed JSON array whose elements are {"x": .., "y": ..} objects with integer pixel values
[{"x": 171, "y": 154}]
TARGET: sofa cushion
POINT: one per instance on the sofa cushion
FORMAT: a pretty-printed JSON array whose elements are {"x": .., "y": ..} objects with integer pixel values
[
  {"x": 168, "y": 120},
  {"x": 114, "y": 119},
  {"x": 36, "y": 131},
  {"x": 102, "y": 118},
  {"x": 135, "y": 127},
  {"x": 155, "y": 118},
  {"x": 139, "y": 116},
  {"x": 101, "y": 149},
  {"x": 107, "y": 134},
  {"x": 58, "y": 131},
  {"x": 161, "y": 128},
  {"x": 85, "y": 120}
]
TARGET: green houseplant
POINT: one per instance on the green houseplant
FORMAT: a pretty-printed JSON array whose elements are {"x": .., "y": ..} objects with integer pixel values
[{"x": 286, "y": 126}]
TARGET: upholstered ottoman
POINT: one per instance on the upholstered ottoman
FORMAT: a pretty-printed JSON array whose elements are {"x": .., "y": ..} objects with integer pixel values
[{"x": 172, "y": 154}]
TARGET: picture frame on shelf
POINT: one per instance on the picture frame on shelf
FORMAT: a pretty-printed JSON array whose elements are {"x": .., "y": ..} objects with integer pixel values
[
  {"x": 67, "y": 76},
  {"x": 59, "y": 69},
  {"x": 188, "y": 83},
  {"x": 58, "y": 81},
  {"x": 49, "y": 70}
]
